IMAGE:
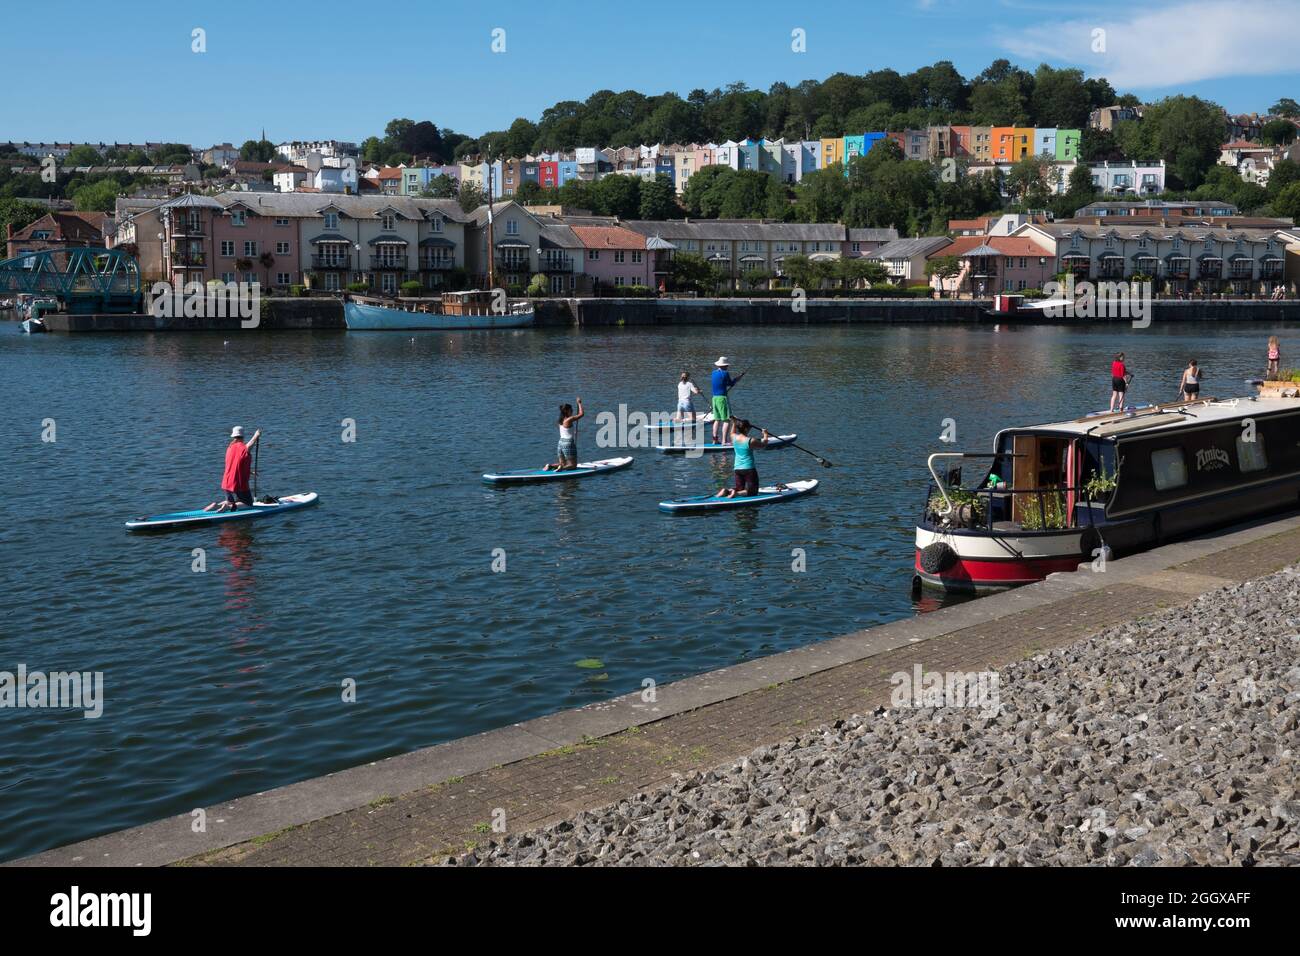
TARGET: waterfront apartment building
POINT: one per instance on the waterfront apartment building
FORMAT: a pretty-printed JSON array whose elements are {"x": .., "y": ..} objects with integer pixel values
[{"x": 1180, "y": 259}]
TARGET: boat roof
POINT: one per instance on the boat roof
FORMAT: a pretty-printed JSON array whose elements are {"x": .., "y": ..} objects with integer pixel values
[{"x": 1168, "y": 417}]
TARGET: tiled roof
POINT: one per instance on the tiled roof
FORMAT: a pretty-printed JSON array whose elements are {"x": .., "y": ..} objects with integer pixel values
[
  {"x": 608, "y": 237},
  {"x": 310, "y": 205},
  {"x": 741, "y": 230}
]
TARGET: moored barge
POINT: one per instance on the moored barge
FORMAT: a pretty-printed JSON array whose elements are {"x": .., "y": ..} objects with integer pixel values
[{"x": 1059, "y": 494}]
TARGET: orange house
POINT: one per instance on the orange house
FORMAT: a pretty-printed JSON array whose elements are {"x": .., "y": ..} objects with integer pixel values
[
  {"x": 1022, "y": 142},
  {"x": 1003, "y": 138}
]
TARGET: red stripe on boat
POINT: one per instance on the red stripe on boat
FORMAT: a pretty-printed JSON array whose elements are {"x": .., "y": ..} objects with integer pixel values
[{"x": 971, "y": 571}]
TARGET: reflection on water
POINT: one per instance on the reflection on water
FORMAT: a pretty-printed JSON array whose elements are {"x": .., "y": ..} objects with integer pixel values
[{"x": 222, "y": 683}]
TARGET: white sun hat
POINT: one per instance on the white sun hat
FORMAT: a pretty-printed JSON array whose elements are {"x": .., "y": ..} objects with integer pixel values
[
  {"x": 722, "y": 362},
  {"x": 237, "y": 432}
]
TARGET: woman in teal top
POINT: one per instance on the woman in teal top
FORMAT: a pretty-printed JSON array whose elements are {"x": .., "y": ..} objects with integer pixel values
[{"x": 746, "y": 482}]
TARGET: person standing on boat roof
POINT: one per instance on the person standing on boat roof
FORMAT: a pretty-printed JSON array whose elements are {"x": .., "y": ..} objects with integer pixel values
[
  {"x": 239, "y": 467},
  {"x": 1190, "y": 385},
  {"x": 722, "y": 383},
  {"x": 567, "y": 449},
  {"x": 1119, "y": 379},
  {"x": 746, "y": 480}
]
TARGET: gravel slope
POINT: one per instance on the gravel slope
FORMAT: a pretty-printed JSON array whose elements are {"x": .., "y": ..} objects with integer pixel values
[{"x": 1167, "y": 741}]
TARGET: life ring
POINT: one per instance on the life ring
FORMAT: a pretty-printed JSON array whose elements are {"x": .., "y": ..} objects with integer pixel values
[{"x": 937, "y": 557}]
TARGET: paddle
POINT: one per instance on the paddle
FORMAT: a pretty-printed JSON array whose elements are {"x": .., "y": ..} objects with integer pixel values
[
  {"x": 820, "y": 460},
  {"x": 257, "y": 450}
]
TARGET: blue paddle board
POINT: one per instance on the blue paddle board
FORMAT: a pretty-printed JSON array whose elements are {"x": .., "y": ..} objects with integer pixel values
[
  {"x": 189, "y": 519},
  {"x": 584, "y": 469},
  {"x": 766, "y": 495}
]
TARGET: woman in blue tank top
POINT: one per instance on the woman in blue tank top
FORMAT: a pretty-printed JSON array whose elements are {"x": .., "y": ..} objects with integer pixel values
[{"x": 746, "y": 481}]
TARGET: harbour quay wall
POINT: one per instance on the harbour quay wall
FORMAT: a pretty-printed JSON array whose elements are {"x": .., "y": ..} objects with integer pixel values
[
  {"x": 773, "y": 311},
  {"x": 275, "y": 314}
]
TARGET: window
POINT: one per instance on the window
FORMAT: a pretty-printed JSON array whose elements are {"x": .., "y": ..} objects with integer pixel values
[
  {"x": 331, "y": 220},
  {"x": 857, "y": 247},
  {"x": 282, "y": 248},
  {"x": 227, "y": 247},
  {"x": 282, "y": 278},
  {"x": 227, "y": 277},
  {"x": 250, "y": 247},
  {"x": 389, "y": 222},
  {"x": 435, "y": 224},
  {"x": 1168, "y": 468},
  {"x": 1250, "y": 454},
  {"x": 636, "y": 256},
  {"x": 618, "y": 280},
  {"x": 388, "y": 282},
  {"x": 512, "y": 227},
  {"x": 619, "y": 255},
  {"x": 281, "y": 220},
  {"x": 237, "y": 217},
  {"x": 593, "y": 254}
]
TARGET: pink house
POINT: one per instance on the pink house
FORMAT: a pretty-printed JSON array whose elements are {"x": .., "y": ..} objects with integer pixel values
[
  {"x": 265, "y": 245},
  {"x": 614, "y": 256}
]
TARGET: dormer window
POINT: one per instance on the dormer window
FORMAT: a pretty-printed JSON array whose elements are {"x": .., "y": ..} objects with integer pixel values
[
  {"x": 237, "y": 217},
  {"x": 331, "y": 220},
  {"x": 435, "y": 224},
  {"x": 512, "y": 227},
  {"x": 390, "y": 222}
]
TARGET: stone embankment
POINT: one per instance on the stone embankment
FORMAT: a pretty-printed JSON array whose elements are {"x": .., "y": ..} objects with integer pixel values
[{"x": 1170, "y": 740}]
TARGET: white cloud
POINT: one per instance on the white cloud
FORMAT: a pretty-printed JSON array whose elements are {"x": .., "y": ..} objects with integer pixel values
[{"x": 1176, "y": 44}]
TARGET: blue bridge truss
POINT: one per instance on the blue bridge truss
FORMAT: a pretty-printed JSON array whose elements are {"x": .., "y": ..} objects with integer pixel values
[{"x": 85, "y": 281}]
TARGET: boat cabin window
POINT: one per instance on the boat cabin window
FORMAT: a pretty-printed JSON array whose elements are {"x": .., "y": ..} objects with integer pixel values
[
  {"x": 1168, "y": 468},
  {"x": 1040, "y": 462},
  {"x": 1250, "y": 454}
]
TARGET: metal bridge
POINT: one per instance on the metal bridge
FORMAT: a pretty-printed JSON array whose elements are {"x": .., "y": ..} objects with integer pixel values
[{"x": 84, "y": 280}]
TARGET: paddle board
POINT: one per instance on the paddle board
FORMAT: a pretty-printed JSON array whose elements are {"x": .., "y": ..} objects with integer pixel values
[
  {"x": 676, "y": 425},
  {"x": 188, "y": 519},
  {"x": 584, "y": 469},
  {"x": 776, "y": 441},
  {"x": 766, "y": 495}
]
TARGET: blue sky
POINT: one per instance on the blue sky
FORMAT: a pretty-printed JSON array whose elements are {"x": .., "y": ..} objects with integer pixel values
[{"x": 343, "y": 69}]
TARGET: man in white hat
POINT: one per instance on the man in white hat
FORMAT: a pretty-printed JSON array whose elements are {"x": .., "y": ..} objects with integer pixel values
[
  {"x": 722, "y": 383},
  {"x": 239, "y": 466}
]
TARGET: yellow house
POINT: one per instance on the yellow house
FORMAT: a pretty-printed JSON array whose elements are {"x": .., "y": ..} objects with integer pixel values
[
  {"x": 1022, "y": 142},
  {"x": 832, "y": 150}
]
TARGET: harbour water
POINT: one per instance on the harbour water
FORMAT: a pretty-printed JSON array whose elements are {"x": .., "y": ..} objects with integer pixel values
[{"x": 231, "y": 680}]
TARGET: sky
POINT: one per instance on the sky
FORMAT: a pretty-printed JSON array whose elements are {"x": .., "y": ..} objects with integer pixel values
[{"x": 129, "y": 72}]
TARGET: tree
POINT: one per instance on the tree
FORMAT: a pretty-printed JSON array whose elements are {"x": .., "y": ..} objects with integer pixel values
[
  {"x": 538, "y": 286},
  {"x": 99, "y": 196},
  {"x": 440, "y": 187},
  {"x": 1286, "y": 107},
  {"x": 470, "y": 195},
  {"x": 943, "y": 268},
  {"x": 1287, "y": 202},
  {"x": 253, "y": 151},
  {"x": 1278, "y": 132},
  {"x": 616, "y": 196},
  {"x": 659, "y": 199},
  {"x": 691, "y": 272},
  {"x": 528, "y": 192},
  {"x": 800, "y": 270},
  {"x": 19, "y": 214},
  {"x": 755, "y": 277},
  {"x": 83, "y": 156},
  {"x": 1060, "y": 98}
]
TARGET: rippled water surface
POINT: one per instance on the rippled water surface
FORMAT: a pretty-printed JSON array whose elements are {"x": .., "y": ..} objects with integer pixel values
[{"x": 229, "y": 681}]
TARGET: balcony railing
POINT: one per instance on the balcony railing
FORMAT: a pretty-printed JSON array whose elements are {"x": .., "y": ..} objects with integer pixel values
[
  {"x": 189, "y": 230},
  {"x": 388, "y": 262},
  {"x": 512, "y": 264},
  {"x": 557, "y": 264},
  {"x": 331, "y": 262},
  {"x": 188, "y": 260},
  {"x": 429, "y": 263}
]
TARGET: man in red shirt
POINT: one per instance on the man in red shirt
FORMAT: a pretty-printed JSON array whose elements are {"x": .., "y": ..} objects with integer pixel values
[{"x": 239, "y": 466}]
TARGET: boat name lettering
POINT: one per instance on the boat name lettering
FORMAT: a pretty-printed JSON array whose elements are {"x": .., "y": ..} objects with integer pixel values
[{"x": 1207, "y": 459}]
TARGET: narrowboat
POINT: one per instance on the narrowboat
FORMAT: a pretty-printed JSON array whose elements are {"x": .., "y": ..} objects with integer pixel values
[
  {"x": 1059, "y": 494},
  {"x": 456, "y": 310}
]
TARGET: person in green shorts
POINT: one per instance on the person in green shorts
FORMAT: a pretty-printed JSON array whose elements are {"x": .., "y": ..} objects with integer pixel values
[{"x": 722, "y": 383}]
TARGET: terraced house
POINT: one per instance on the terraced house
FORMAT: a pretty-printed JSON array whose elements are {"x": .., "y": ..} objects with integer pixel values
[{"x": 1187, "y": 258}]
